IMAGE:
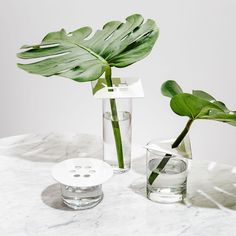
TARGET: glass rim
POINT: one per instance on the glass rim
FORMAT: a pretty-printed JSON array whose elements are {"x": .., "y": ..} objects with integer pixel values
[
  {"x": 162, "y": 153},
  {"x": 157, "y": 140}
]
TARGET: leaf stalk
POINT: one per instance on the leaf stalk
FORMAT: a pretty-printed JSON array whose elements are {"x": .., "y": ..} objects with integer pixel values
[
  {"x": 167, "y": 157},
  {"x": 181, "y": 137},
  {"x": 115, "y": 121}
]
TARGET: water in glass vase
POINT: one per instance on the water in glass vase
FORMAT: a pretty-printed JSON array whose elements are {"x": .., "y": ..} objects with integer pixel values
[
  {"x": 170, "y": 184},
  {"x": 109, "y": 145},
  {"x": 81, "y": 197}
]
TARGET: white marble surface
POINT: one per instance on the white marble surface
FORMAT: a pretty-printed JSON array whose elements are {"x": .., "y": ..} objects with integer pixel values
[{"x": 30, "y": 199}]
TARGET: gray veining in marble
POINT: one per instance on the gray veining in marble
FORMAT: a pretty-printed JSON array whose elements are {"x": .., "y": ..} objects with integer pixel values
[{"x": 30, "y": 199}]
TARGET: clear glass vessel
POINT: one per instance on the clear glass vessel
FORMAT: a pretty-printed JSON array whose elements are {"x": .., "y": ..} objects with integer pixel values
[
  {"x": 81, "y": 197},
  {"x": 117, "y": 133},
  {"x": 167, "y": 173}
]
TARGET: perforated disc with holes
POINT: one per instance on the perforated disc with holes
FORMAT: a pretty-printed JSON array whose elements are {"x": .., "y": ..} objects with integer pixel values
[{"x": 82, "y": 172}]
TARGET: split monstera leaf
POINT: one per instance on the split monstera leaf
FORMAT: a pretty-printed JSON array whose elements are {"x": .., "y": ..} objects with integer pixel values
[
  {"x": 196, "y": 106},
  {"x": 81, "y": 57}
]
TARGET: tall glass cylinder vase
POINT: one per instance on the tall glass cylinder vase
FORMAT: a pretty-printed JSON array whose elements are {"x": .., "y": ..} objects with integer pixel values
[{"x": 117, "y": 133}]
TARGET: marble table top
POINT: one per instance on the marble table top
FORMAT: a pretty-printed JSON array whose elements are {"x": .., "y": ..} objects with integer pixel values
[{"x": 30, "y": 199}]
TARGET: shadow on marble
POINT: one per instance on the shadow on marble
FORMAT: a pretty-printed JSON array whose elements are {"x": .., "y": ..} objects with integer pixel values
[
  {"x": 214, "y": 197},
  {"x": 51, "y": 147},
  {"x": 139, "y": 165},
  {"x": 51, "y": 196},
  {"x": 207, "y": 187},
  {"x": 139, "y": 187},
  {"x": 212, "y": 185}
]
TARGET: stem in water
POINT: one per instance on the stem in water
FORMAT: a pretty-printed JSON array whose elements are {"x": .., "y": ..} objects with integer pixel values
[
  {"x": 167, "y": 157},
  {"x": 115, "y": 122}
]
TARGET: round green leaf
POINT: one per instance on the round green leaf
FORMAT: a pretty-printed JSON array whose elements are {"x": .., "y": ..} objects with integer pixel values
[
  {"x": 206, "y": 96},
  {"x": 170, "y": 88},
  {"x": 185, "y": 104},
  {"x": 222, "y": 117},
  {"x": 203, "y": 95}
]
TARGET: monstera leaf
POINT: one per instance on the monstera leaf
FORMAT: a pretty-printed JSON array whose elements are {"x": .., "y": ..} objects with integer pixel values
[
  {"x": 82, "y": 58},
  {"x": 198, "y": 105}
]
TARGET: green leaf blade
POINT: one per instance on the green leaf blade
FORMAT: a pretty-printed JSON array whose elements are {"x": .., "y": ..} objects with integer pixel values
[
  {"x": 203, "y": 95},
  {"x": 76, "y": 57},
  {"x": 186, "y": 104},
  {"x": 170, "y": 88},
  {"x": 222, "y": 117}
]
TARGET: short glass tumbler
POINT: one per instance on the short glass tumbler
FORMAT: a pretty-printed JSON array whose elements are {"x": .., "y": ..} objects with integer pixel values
[
  {"x": 80, "y": 198},
  {"x": 117, "y": 133},
  {"x": 81, "y": 181},
  {"x": 167, "y": 173}
]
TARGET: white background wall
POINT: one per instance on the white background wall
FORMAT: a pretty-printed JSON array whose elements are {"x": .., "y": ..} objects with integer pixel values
[{"x": 196, "y": 47}]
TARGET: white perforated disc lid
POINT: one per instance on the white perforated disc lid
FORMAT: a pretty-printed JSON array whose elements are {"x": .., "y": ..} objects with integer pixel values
[{"x": 82, "y": 172}]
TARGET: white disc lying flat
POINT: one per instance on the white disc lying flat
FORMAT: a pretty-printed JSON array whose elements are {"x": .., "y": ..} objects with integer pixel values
[{"x": 82, "y": 172}]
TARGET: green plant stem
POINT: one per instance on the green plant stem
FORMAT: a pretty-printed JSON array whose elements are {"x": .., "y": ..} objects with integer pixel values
[
  {"x": 180, "y": 138},
  {"x": 159, "y": 168},
  {"x": 115, "y": 122},
  {"x": 167, "y": 157}
]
